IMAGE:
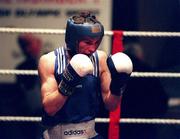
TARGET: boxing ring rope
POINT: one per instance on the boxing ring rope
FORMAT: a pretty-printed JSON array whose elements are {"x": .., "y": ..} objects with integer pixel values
[
  {"x": 108, "y": 33},
  {"x": 134, "y": 74},
  {"x": 97, "y": 120}
]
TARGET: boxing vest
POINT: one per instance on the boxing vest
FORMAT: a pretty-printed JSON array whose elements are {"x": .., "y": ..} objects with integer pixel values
[{"x": 83, "y": 104}]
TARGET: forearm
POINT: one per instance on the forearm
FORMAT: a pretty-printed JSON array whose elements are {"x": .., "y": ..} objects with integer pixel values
[{"x": 111, "y": 101}]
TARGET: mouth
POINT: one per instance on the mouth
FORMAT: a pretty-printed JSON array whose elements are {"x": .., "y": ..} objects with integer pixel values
[{"x": 88, "y": 53}]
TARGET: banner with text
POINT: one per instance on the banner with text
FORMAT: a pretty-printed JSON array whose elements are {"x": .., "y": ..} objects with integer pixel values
[{"x": 47, "y": 14}]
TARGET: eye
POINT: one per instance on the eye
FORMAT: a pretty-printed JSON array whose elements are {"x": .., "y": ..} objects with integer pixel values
[{"x": 88, "y": 42}]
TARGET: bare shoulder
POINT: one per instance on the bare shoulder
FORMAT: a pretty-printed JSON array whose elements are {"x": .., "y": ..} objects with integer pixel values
[
  {"x": 102, "y": 55},
  {"x": 102, "y": 61},
  {"x": 46, "y": 63}
]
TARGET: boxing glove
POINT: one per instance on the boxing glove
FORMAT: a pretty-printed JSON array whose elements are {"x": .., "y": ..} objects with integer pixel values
[
  {"x": 79, "y": 66},
  {"x": 120, "y": 67}
]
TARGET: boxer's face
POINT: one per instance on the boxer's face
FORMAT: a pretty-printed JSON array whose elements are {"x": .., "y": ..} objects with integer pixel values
[{"x": 88, "y": 46}]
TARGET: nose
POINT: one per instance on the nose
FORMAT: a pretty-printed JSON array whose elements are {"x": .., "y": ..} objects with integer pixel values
[{"x": 92, "y": 48}]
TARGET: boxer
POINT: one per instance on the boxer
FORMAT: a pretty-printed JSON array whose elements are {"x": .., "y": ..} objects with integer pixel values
[{"x": 76, "y": 76}]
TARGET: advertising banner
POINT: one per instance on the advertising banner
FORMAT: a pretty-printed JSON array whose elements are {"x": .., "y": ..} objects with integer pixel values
[{"x": 45, "y": 14}]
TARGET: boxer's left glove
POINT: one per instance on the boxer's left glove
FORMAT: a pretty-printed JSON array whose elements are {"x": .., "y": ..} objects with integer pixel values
[
  {"x": 79, "y": 66},
  {"x": 120, "y": 67}
]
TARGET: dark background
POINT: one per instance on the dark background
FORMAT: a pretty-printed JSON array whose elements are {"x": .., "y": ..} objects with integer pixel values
[{"x": 149, "y": 97}]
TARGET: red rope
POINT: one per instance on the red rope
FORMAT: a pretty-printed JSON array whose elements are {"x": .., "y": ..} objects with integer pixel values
[
  {"x": 117, "y": 42},
  {"x": 114, "y": 128}
]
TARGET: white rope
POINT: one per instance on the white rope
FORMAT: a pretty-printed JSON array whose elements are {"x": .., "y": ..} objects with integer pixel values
[
  {"x": 108, "y": 33},
  {"x": 20, "y": 119},
  {"x": 155, "y": 74},
  {"x": 141, "y": 121},
  {"x": 134, "y": 74},
  {"x": 174, "y": 102},
  {"x": 152, "y": 121},
  {"x": 97, "y": 120},
  {"x": 31, "y": 30},
  {"x": 151, "y": 34},
  {"x": 18, "y": 72}
]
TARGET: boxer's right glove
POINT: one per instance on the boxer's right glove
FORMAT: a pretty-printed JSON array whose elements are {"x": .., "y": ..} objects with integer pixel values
[
  {"x": 120, "y": 67},
  {"x": 79, "y": 66}
]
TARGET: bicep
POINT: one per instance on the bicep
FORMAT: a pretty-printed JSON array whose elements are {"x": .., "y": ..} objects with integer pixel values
[
  {"x": 105, "y": 83},
  {"x": 48, "y": 82},
  {"x": 52, "y": 100},
  {"x": 110, "y": 101},
  {"x": 104, "y": 76}
]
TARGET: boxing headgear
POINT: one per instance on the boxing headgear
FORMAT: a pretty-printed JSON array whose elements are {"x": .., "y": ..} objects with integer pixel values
[{"x": 80, "y": 27}]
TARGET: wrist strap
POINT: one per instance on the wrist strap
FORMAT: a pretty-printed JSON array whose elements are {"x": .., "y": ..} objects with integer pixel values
[
  {"x": 69, "y": 80},
  {"x": 117, "y": 91},
  {"x": 65, "y": 89}
]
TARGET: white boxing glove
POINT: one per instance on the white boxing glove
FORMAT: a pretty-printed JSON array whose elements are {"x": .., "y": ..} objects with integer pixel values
[
  {"x": 120, "y": 67},
  {"x": 79, "y": 66}
]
